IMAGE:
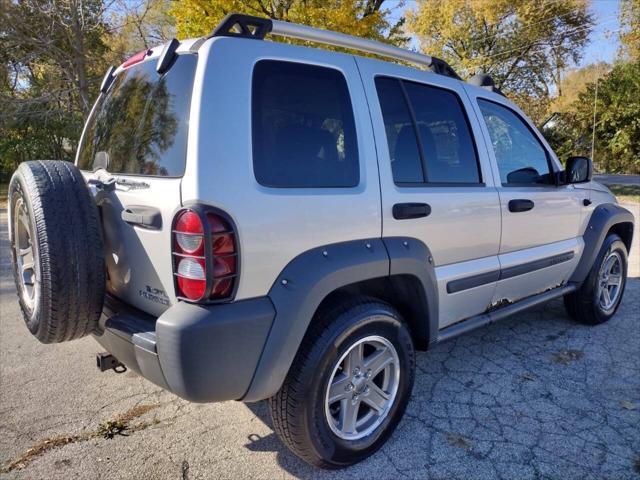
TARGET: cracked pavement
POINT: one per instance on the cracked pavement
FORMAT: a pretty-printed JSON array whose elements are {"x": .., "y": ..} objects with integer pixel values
[{"x": 533, "y": 396}]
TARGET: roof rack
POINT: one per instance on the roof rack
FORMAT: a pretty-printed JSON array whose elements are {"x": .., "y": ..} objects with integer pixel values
[
  {"x": 485, "y": 81},
  {"x": 247, "y": 26}
]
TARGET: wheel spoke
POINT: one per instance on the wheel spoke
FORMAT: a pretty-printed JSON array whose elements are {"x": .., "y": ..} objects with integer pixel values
[
  {"x": 338, "y": 389},
  {"x": 376, "y": 398},
  {"x": 354, "y": 359},
  {"x": 24, "y": 219},
  {"x": 349, "y": 415},
  {"x": 607, "y": 296},
  {"x": 614, "y": 279},
  {"x": 351, "y": 386},
  {"x": 609, "y": 264},
  {"x": 25, "y": 258},
  {"x": 378, "y": 360},
  {"x": 26, "y": 267}
]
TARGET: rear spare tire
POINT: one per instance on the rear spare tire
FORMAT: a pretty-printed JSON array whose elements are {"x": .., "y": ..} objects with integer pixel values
[{"x": 57, "y": 250}]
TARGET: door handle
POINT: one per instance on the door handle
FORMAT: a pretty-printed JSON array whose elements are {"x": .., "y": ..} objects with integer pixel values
[
  {"x": 520, "y": 205},
  {"x": 405, "y": 211},
  {"x": 147, "y": 217}
]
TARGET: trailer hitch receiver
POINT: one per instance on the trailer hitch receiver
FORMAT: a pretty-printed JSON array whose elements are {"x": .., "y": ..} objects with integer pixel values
[{"x": 105, "y": 361}]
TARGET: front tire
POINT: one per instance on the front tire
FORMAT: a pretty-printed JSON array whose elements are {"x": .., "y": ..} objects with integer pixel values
[
  {"x": 348, "y": 386},
  {"x": 599, "y": 297}
]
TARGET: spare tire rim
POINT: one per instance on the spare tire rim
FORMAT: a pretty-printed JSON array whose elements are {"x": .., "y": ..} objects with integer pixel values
[
  {"x": 610, "y": 281},
  {"x": 362, "y": 388},
  {"x": 25, "y": 255}
]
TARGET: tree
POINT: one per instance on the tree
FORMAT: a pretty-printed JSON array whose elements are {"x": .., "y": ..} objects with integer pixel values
[
  {"x": 617, "y": 127},
  {"x": 522, "y": 44},
  {"x": 51, "y": 53},
  {"x": 617, "y": 147},
  {"x": 363, "y": 18},
  {"x": 574, "y": 82},
  {"x": 630, "y": 28},
  {"x": 138, "y": 25}
]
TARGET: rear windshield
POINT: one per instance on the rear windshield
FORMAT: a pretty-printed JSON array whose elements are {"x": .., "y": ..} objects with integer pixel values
[{"x": 139, "y": 127}]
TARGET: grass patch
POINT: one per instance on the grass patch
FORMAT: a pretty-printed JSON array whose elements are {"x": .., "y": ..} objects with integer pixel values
[
  {"x": 40, "y": 448},
  {"x": 107, "y": 429},
  {"x": 626, "y": 193}
]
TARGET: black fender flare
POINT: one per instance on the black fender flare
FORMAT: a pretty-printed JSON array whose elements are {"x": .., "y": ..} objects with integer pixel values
[
  {"x": 309, "y": 278},
  {"x": 410, "y": 256},
  {"x": 603, "y": 218}
]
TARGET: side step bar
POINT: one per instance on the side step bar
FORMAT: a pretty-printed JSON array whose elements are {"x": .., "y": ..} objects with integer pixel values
[{"x": 481, "y": 320}]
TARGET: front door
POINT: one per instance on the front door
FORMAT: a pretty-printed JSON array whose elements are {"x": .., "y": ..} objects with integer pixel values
[{"x": 540, "y": 242}]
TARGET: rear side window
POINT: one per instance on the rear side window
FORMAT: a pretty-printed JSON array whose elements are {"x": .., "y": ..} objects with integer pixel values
[
  {"x": 304, "y": 132},
  {"x": 139, "y": 127},
  {"x": 428, "y": 134}
]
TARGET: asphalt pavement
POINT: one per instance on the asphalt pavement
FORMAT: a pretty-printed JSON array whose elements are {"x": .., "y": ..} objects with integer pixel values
[{"x": 534, "y": 396}]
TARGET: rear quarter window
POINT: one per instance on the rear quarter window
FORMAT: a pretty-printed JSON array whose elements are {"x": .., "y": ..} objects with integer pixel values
[
  {"x": 303, "y": 128},
  {"x": 139, "y": 127}
]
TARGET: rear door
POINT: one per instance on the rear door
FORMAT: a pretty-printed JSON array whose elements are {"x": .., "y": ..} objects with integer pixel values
[
  {"x": 540, "y": 243},
  {"x": 428, "y": 155},
  {"x": 136, "y": 137}
]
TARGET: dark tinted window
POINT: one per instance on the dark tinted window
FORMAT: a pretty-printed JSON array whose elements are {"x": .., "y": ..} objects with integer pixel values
[
  {"x": 445, "y": 135},
  {"x": 140, "y": 126},
  {"x": 520, "y": 156},
  {"x": 401, "y": 137},
  {"x": 303, "y": 128}
]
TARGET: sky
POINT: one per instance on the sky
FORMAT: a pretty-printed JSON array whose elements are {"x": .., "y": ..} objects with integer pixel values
[
  {"x": 604, "y": 44},
  {"x": 604, "y": 41}
]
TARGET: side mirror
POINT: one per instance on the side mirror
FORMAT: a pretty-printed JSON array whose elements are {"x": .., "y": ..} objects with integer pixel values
[{"x": 579, "y": 170}]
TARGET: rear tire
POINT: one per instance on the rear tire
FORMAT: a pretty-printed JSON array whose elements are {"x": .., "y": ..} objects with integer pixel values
[
  {"x": 599, "y": 297},
  {"x": 334, "y": 381},
  {"x": 57, "y": 250}
]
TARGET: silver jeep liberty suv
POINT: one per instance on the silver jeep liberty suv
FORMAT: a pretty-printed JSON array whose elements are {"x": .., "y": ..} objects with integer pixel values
[{"x": 251, "y": 220}]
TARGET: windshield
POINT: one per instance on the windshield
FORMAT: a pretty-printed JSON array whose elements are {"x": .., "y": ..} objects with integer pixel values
[{"x": 139, "y": 126}]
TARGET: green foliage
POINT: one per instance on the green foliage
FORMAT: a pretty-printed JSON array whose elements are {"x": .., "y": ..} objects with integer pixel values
[
  {"x": 362, "y": 18},
  {"x": 52, "y": 61},
  {"x": 617, "y": 129},
  {"x": 138, "y": 25},
  {"x": 54, "y": 53},
  {"x": 630, "y": 28},
  {"x": 574, "y": 82},
  {"x": 522, "y": 44}
]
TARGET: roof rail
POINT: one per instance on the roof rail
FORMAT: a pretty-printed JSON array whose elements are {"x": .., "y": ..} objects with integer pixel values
[{"x": 246, "y": 26}]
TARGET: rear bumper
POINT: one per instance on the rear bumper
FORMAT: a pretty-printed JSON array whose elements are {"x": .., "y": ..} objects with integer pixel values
[{"x": 203, "y": 353}]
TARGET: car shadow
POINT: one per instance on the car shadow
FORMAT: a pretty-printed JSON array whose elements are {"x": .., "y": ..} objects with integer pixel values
[{"x": 513, "y": 393}]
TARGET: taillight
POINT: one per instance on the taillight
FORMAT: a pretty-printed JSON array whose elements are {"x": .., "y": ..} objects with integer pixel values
[{"x": 205, "y": 259}]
